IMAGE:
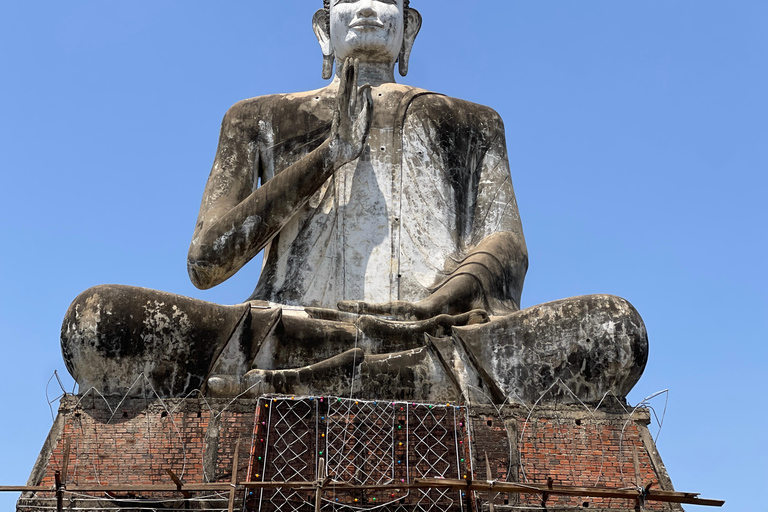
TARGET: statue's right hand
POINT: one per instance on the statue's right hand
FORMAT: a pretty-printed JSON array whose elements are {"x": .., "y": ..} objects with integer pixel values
[{"x": 352, "y": 119}]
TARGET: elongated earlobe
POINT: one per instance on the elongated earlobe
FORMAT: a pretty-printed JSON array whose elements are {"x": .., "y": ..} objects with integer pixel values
[
  {"x": 327, "y": 66},
  {"x": 402, "y": 62},
  {"x": 409, "y": 37},
  {"x": 320, "y": 26}
]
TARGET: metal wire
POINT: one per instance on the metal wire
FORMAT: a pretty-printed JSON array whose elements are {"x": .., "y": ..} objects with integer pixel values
[
  {"x": 290, "y": 451},
  {"x": 363, "y": 443}
]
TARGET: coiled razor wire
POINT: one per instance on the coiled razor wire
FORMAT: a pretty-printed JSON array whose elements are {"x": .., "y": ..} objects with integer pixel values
[{"x": 370, "y": 414}]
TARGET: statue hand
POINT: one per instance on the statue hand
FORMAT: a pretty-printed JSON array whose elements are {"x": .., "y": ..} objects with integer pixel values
[
  {"x": 458, "y": 295},
  {"x": 353, "y": 116},
  {"x": 399, "y": 309}
]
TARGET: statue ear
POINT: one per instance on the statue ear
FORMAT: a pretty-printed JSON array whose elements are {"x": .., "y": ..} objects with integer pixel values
[
  {"x": 320, "y": 26},
  {"x": 413, "y": 26}
]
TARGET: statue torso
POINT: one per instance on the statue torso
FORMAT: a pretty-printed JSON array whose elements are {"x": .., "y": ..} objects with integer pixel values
[{"x": 390, "y": 225}]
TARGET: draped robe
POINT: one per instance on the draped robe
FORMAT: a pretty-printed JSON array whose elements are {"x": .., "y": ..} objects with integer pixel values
[{"x": 394, "y": 224}]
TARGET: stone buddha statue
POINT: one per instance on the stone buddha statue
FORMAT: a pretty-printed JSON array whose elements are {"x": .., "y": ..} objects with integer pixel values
[{"x": 394, "y": 255}]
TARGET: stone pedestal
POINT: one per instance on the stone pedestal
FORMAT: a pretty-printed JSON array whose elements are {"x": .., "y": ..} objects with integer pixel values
[{"x": 136, "y": 441}]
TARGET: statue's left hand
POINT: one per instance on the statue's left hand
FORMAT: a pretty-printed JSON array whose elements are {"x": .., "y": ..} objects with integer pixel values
[{"x": 460, "y": 294}]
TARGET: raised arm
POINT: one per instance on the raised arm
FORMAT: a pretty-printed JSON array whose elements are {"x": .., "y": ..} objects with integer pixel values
[{"x": 236, "y": 221}]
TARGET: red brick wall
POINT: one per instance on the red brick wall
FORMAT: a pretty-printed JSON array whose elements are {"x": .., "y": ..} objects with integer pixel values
[
  {"x": 133, "y": 442},
  {"x": 583, "y": 452},
  {"x": 135, "y": 445}
]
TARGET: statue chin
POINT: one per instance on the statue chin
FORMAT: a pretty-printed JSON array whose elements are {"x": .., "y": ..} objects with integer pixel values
[{"x": 387, "y": 194}]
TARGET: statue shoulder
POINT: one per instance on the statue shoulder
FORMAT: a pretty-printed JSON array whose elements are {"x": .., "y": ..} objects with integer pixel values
[
  {"x": 443, "y": 108},
  {"x": 272, "y": 105}
]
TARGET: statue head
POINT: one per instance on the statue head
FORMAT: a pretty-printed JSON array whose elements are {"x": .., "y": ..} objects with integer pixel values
[{"x": 374, "y": 31}]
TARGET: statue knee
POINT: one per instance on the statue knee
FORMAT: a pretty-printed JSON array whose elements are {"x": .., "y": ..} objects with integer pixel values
[
  {"x": 584, "y": 346},
  {"x": 114, "y": 334},
  {"x": 597, "y": 345},
  {"x": 89, "y": 322},
  {"x": 616, "y": 342},
  {"x": 103, "y": 310}
]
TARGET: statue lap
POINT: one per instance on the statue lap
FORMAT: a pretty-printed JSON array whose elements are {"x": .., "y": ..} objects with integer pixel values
[{"x": 593, "y": 344}]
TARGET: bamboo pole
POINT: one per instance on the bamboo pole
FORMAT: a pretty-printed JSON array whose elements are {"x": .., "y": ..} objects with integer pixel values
[
  {"x": 59, "y": 492},
  {"x": 320, "y": 485},
  {"x": 419, "y": 483},
  {"x": 234, "y": 477},
  {"x": 595, "y": 492},
  {"x": 489, "y": 477}
]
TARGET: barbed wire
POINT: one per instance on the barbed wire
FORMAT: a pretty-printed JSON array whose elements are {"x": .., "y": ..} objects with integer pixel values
[{"x": 512, "y": 399}]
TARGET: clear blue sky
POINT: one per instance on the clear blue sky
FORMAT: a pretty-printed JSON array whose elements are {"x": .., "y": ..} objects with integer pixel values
[{"x": 638, "y": 141}]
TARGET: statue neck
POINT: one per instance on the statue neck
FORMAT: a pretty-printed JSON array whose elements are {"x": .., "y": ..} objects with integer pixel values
[{"x": 372, "y": 73}]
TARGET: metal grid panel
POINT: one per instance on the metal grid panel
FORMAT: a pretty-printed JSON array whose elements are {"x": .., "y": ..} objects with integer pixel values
[
  {"x": 289, "y": 452},
  {"x": 360, "y": 442},
  {"x": 434, "y": 454},
  {"x": 364, "y": 443}
]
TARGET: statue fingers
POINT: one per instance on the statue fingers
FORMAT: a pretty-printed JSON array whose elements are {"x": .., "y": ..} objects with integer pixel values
[
  {"x": 345, "y": 86},
  {"x": 365, "y": 116},
  {"x": 409, "y": 311},
  {"x": 354, "y": 88},
  {"x": 350, "y": 88},
  {"x": 332, "y": 315},
  {"x": 405, "y": 311},
  {"x": 365, "y": 100},
  {"x": 366, "y": 308},
  {"x": 398, "y": 310},
  {"x": 358, "y": 307},
  {"x": 474, "y": 317}
]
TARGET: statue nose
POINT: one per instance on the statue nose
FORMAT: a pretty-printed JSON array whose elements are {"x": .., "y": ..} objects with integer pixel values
[{"x": 366, "y": 9}]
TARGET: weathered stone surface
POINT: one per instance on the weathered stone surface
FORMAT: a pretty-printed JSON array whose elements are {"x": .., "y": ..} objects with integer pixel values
[
  {"x": 594, "y": 344},
  {"x": 405, "y": 218},
  {"x": 113, "y": 334},
  {"x": 387, "y": 217}
]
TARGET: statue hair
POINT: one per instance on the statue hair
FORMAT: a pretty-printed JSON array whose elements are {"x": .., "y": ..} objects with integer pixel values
[{"x": 327, "y": 6}]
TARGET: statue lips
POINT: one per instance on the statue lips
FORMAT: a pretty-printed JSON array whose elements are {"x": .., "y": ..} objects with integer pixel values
[{"x": 366, "y": 24}]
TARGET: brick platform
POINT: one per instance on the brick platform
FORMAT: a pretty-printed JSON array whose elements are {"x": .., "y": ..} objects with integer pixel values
[{"x": 137, "y": 440}]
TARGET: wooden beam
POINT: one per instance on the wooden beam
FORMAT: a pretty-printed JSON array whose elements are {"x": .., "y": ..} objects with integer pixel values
[
  {"x": 419, "y": 483},
  {"x": 179, "y": 483},
  {"x": 636, "y": 464},
  {"x": 65, "y": 464},
  {"x": 545, "y": 494},
  {"x": 639, "y": 503},
  {"x": 222, "y": 486},
  {"x": 320, "y": 485},
  {"x": 59, "y": 492},
  {"x": 234, "y": 477},
  {"x": 489, "y": 477},
  {"x": 595, "y": 492}
]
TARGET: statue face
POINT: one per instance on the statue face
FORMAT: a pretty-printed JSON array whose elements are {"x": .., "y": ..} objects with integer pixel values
[{"x": 371, "y": 30}]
